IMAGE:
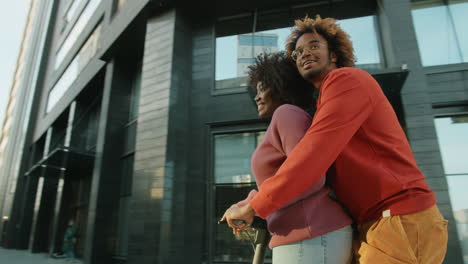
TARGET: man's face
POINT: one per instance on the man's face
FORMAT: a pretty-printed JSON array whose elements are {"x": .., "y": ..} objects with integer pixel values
[
  {"x": 266, "y": 104},
  {"x": 314, "y": 60}
]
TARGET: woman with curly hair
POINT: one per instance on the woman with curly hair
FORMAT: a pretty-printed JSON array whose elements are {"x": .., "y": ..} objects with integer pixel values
[
  {"x": 312, "y": 227},
  {"x": 356, "y": 133}
]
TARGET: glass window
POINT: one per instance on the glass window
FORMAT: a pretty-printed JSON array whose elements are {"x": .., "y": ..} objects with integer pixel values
[
  {"x": 70, "y": 74},
  {"x": 134, "y": 98},
  {"x": 363, "y": 33},
  {"x": 235, "y": 53},
  {"x": 85, "y": 125},
  {"x": 459, "y": 11},
  {"x": 233, "y": 182},
  {"x": 135, "y": 93},
  {"x": 453, "y": 142},
  {"x": 227, "y": 247},
  {"x": 76, "y": 31},
  {"x": 119, "y": 4},
  {"x": 72, "y": 10},
  {"x": 232, "y": 157},
  {"x": 443, "y": 40}
]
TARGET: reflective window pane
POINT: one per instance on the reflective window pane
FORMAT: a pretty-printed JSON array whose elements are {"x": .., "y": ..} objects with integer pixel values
[
  {"x": 363, "y": 33},
  {"x": 85, "y": 128},
  {"x": 459, "y": 11},
  {"x": 71, "y": 73},
  {"x": 232, "y": 155},
  {"x": 72, "y": 10},
  {"x": 235, "y": 53},
  {"x": 443, "y": 40},
  {"x": 233, "y": 182},
  {"x": 453, "y": 141},
  {"x": 229, "y": 247},
  {"x": 135, "y": 94},
  {"x": 80, "y": 24}
]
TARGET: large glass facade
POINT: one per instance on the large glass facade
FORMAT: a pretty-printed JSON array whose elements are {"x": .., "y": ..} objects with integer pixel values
[
  {"x": 236, "y": 52},
  {"x": 71, "y": 73},
  {"x": 233, "y": 181},
  {"x": 72, "y": 11},
  {"x": 453, "y": 141},
  {"x": 441, "y": 31},
  {"x": 85, "y": 16}
]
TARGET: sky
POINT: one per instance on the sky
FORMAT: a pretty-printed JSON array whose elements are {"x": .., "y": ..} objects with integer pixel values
[{"x": 13, "y": 15}]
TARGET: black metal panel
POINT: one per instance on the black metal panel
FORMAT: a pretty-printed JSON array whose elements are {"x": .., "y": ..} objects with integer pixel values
[{"x": 392, "y": 83}]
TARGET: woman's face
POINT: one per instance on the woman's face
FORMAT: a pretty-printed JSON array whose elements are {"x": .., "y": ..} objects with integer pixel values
[{"x": 266, "y": 105}]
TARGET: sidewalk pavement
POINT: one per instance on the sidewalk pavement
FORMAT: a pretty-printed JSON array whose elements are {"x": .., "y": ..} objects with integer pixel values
[{"x": 14, "y": 256}]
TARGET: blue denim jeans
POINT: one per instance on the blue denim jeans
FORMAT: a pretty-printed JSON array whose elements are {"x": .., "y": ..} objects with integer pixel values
[{"x": 331, "y": 248}]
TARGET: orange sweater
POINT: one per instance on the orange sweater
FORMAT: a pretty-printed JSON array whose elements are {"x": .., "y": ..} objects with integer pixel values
[{"x": 355, "y": 127}]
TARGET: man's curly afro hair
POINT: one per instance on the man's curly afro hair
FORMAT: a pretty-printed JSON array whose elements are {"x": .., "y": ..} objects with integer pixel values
[{"x": 338, "y": 40}]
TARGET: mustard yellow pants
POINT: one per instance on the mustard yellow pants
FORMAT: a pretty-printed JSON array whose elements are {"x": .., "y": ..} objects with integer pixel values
[{"x": 418, "y": 238}]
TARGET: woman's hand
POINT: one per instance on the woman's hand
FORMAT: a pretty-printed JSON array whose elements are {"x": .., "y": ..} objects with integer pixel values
[{"x": 236, "y": 213}]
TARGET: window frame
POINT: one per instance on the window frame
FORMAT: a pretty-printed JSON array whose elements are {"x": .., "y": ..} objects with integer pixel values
[
  {"x": 67, "y": 26},
  {"x": 214, "y": 129},
  {"x": 446, "y": 111}
]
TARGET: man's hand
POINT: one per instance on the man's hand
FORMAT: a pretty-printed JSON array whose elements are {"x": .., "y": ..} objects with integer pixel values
[{"x": 244, "y": 213}]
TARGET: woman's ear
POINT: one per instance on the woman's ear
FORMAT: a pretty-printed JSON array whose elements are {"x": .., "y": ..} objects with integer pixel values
[{"x": 333, "y": 57}]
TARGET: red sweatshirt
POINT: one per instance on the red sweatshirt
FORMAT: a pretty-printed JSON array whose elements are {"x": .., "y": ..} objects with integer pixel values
[{"x": 355, "y": 127}]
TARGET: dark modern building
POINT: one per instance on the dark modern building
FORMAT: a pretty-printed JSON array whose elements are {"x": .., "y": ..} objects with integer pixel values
[{"x": 136, "y": 120}]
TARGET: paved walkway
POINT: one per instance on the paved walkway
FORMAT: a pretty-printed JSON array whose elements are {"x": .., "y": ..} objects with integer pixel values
[{"x": 13, "y": 256}]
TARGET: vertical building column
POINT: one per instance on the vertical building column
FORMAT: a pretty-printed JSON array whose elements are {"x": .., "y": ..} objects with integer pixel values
[
  {"x": 179, "y": 240},
  {"x": 150, "y": 167},
  {"x": 106, "y": 177},
  {"x": 401, "y": 47},
  {"x": 159, "y": 204},
  {"x": 160, "y": 213},
  {"x": 22, "y": 226}
]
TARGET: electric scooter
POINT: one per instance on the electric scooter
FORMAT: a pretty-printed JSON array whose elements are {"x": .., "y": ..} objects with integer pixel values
[{"x": 260, "y": 242}]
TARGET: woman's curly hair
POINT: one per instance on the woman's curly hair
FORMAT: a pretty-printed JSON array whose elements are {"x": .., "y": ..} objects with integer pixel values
[
  {"x": 277, "y": 72},
  {"x": 338, "y": 40}
]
